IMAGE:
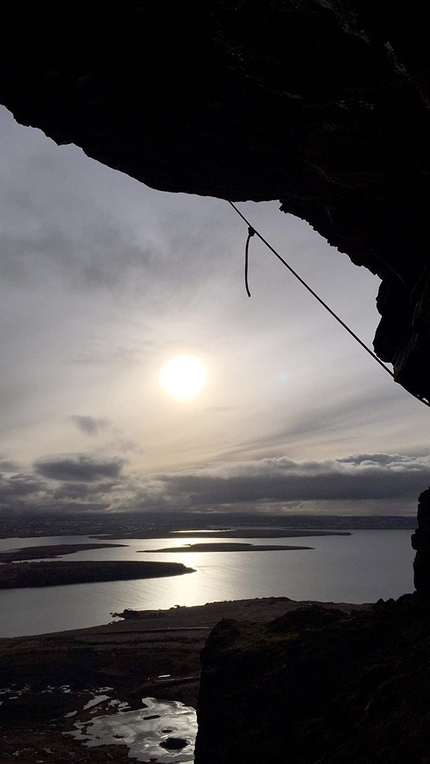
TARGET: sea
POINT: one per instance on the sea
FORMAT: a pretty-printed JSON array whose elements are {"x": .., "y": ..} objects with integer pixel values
[{"x": 362, "y": 567}]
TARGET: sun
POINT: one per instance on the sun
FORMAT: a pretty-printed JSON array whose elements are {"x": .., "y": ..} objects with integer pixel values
[{"x": 183, "y": 376}]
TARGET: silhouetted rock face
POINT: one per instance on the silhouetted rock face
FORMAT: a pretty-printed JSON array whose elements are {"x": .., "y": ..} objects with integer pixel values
[
  {"x": 318, "y": 686},
  {"x": 421, "y": 543},
  {"x": 323, "y": 104}
]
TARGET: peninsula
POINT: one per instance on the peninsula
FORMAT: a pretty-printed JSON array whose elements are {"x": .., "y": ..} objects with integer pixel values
[
  {"x": 228, "y": 547},
  {"x": 59, "y": 573},
  {"x": 54, "y": 550}
]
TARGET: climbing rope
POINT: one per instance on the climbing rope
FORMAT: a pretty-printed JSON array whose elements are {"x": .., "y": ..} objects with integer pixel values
[{"x": 254, "y": 232}]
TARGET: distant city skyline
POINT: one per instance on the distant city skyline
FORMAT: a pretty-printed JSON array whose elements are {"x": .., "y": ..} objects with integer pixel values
[{"x": 103, "y": 280}]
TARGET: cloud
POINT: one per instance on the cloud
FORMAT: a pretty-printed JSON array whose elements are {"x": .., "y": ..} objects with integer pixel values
[
  {"x": 7, "y": 465},
  {"x": 85, "y": 257},
  {"x": 79, "y": 467},
  {"x": 27, "y": 492},
  {"x": 354, "y": 484},
  {"x": 90, "y": 425},
  {"x": 83, "y": 491},
  {"x": 360, "y": 477},
  {"x": 127, "y": 446},
  {"x": 20, "y": 492},
  {"x": 19, "y": 485}
]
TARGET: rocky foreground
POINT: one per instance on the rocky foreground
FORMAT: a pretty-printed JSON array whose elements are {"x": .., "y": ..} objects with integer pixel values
[
  {"x": 310, "y": 683},
  {"x": 319, "y": 686},
  {"x": 153, "y": 653}
]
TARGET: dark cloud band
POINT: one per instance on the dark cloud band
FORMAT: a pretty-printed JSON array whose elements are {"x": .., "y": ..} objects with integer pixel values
[
  {"x": 85, "y": 480},
  {"x": 82, "y": 468}
]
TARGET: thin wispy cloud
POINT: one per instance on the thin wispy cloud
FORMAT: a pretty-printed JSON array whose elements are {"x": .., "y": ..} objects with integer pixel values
[{"x": 90, "y": 425}]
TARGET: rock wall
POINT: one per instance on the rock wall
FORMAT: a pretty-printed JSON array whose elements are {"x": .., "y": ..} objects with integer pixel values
[
  {"x": 318, "y": 687},
  {"x": 322, "y": 104},
  {"x": 421, "y": 544}
]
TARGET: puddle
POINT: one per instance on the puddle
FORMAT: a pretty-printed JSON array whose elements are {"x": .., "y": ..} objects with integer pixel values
[
  {"x": 91, "y": 698},
  {"x": 96, "y": 701},
  {"x": 162, "y": 732},
  {"x": 146, "y": 732}
]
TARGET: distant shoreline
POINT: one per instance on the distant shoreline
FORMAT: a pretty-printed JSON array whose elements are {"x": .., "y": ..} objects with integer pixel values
[
  {"x": 54, "y": 550},
  {"x": 161, "y": 524},
  {"x": 228, "y": 533}
]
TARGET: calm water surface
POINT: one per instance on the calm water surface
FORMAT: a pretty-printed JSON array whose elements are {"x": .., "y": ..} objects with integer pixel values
[{"x": 359, "y": 568}]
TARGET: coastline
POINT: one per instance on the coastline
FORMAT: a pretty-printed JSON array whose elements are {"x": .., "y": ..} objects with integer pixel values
[{"x": 109, "y": 653}]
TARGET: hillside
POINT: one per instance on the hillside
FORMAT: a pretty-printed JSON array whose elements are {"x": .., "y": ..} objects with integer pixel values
[{"x": 319, "y": 686}]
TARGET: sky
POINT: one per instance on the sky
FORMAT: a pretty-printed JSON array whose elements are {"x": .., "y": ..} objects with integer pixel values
[{"x": 103, "y": 280}]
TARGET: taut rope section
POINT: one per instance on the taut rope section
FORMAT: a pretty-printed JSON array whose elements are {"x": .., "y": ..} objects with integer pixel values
[{"x": 253, "y": 231}]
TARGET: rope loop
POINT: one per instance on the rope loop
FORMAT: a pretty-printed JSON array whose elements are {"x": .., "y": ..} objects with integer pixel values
[{"x": 251, "y": 232}]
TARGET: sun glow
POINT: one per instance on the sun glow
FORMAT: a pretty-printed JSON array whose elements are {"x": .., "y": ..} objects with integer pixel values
[{"x": 183, "y": 377}]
